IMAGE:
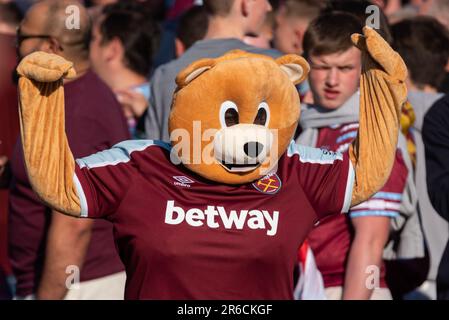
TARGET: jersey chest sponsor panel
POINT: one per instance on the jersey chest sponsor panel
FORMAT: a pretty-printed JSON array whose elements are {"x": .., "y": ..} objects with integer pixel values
[{"x": 187, "y": 230}]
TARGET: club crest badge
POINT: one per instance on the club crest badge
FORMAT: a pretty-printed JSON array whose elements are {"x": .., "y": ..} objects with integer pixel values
[{"x": 270, "y": 184}]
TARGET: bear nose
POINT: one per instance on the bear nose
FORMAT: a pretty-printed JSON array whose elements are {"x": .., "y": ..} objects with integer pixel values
[{"x": 253, "y": 149}]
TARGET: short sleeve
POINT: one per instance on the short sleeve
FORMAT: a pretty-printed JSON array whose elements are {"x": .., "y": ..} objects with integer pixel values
[
  {"x": 103, "y": 179},
  {"x": 326, "y": 177},
  {"x": 386, "y": 202}
]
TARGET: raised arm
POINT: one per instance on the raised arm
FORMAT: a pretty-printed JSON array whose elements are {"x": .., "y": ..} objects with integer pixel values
[
  {"x": 382, "y": 94},
  {"x": 48, "y": 159}
]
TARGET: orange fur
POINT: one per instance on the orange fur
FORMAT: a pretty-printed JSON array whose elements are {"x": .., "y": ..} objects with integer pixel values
[{"x": 246, "y": 79}]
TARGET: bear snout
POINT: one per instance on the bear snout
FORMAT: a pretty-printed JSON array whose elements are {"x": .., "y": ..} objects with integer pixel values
[{"x": 253, "y": 149}]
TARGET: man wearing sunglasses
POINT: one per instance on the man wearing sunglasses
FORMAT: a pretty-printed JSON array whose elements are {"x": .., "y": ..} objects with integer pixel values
[
  {"x": 45, "y": 266},
  {"x": 43, "y": 30}
]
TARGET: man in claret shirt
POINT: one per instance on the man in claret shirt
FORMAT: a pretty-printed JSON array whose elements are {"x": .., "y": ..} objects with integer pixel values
[{"x": 345, "y": 246}]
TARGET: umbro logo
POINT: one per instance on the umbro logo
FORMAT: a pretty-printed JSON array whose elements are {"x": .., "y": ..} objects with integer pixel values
[{"x": 182, "y": 181}]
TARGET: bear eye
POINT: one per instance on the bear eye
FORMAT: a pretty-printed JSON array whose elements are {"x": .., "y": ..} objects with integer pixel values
[
  {"x": 263, "y": 114},
  {"x": 229, "y": 114}
]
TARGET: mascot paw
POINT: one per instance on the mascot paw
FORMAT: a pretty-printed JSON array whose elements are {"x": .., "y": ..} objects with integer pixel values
[
  {"x": 45, "y": 67},
  {"x": 381, "y": 52}
]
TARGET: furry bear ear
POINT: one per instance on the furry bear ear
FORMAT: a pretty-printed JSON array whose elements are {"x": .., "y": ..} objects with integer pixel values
[
  {"x": 193, "y": 71},
  {"x": 295, "y": 66}
]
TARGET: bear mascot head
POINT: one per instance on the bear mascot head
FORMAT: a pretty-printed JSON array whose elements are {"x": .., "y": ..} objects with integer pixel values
[{"x": 230, "y": 133}]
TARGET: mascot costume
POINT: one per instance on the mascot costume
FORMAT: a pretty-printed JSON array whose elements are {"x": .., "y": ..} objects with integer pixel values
[{"x": 220, "y": 212}]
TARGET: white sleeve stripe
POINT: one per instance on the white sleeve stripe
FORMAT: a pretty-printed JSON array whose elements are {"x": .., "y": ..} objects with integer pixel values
[
  {"x": 377, "y": 205},
  {"x": 313, "y": 155},
  {"x": 349, "y": 187},
  {"x": 81, "y": 196},
  {"x": 119, "y": 153},
  {"x": 350, "y": 127}
]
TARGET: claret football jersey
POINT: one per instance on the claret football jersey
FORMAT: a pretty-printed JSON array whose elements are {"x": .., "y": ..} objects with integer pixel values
[
  {"x": 331, "y": 239},
  {"x": 181, "y": 236}
]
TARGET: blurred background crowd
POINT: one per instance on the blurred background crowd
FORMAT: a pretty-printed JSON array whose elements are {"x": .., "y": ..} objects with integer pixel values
[{"x": 127, "y": 55}]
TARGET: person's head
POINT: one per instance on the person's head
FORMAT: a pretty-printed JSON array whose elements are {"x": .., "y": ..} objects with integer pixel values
[
  {"x": 192, "y": 27},
  {"x": 335, "y": 63},
  {"x": 247, "y": 15},
  {"x": 423, "y": 43},
  {"x": 265, "y": 37},
  {"x": 123, "y": 37},
  {"x": 45, "y": 28},
  {"x": 10, "y": 17},
  {"x": 358, "y": 8},
  {"x": 292, "y": 19}
]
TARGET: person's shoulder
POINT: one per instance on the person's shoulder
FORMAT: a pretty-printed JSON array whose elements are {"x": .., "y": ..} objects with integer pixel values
[
  {"x": 416, "y": 96},
  {"x": 163, "y": 68},
  {"x": 442, "y": 102},
  {"x": 153, "y": 146},
  {"x": 165, "y": 74},
  {"x": 174, "y": 65},
  {"x": 163, "y": 77},
  {"x": 436, "y": 122},
  {"x": 90, "y": 89},
  {"x": 268, "y": 52},
  {"x": 102, "y": 98},
  {"x": 439, "y": 110},
  {"x": 98, "y": 85},
  {"x": 89, "y": 78},
  {"x": 232, "y": 44},
  {"x": 123, "y": 152}
]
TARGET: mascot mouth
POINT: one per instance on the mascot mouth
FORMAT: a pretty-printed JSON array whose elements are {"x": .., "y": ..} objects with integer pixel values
[
  {"x": 242, "y": 148},
  {"x": 236, "y": 167}
]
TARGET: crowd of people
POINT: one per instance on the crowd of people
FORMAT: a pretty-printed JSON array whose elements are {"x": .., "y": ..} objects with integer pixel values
[{"x": 127, "y": 54}]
